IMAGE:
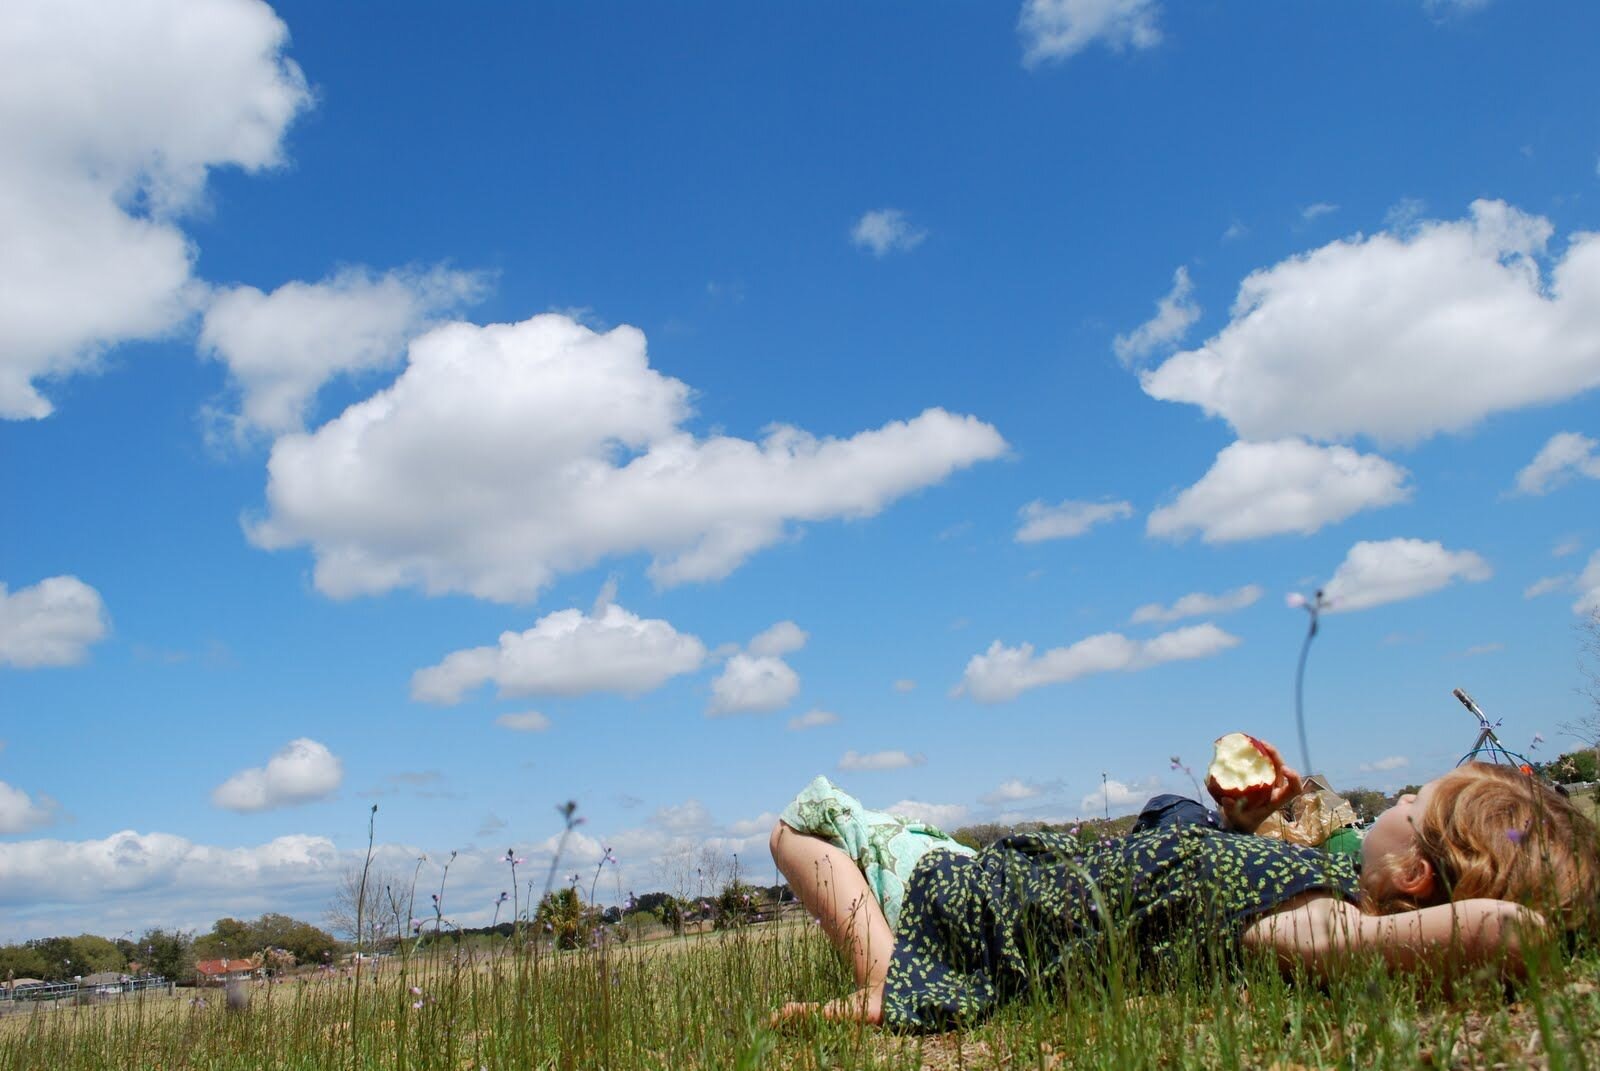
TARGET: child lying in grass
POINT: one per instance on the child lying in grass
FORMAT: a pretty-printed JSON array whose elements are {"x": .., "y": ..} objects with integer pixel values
[{"x": 1465, "y": 873}]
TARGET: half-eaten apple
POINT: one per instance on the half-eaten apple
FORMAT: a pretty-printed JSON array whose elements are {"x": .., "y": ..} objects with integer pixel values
[{"x": 1242, "y": 768}]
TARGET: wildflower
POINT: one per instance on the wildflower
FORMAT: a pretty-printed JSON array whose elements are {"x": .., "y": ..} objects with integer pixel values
[
  {"x": 1177, "y": 763},
  {"x": 416, "y": 991},
  {"x": 1294, "y": 600},
  {"x": 416, "y": 1004}
]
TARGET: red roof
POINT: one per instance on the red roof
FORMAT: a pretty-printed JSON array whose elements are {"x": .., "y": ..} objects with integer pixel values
[{"x": 211, "y": 967}]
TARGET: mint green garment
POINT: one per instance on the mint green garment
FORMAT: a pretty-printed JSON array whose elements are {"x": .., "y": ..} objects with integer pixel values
[{"x": 887, "y": 847}]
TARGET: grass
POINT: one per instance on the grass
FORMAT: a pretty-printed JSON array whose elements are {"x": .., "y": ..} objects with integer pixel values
[{"x": 702, "y": 1002}]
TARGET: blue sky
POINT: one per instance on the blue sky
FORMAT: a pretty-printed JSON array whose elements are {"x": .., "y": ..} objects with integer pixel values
[{"x": 656, "y": 406}]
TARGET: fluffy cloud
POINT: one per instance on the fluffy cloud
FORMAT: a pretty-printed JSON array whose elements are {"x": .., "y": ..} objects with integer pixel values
[
  {"x": 1067, "y": 520},
  {"x": 1199, "y": 604},
  {"x": 945, "y": 816},
  {"x": 1384, "y": 765},
  {"x": 1116, "y": 796},
  {"x": 1376, "y": 573},
  {"x": 51, "y": 623},
  {"x": 1317, "y": 211},
  {"x": 567, "y": 653},
  {"x": 905, "y": 685},
  {"x": 813, "y": 719},
  {"x": 302, "y": 772},
  {"x": 1402, "y": 334},
  {"x": 781, "y": 639},
  {"x": 886, "y": 231},
  {"x": 879, "y": 760},
  {"x": 753, "y": 684},
  {"x": 1175, "y": 314},
  {"x": 1589, "y": 587},
  {"x": 1567, "y": 454},
  {"x": 111, "y": 116},
  {"x": 19, "y": 812},
  {"x": 282, "y": 347},
  {"x": 508, "y": 454},
  {"x": 130, "y": 862},
  {"x": 1002, "y": 673},
  {"x": 1056, "y": 29},
  {"x": 1546, "y": 585},
  {"x": 1270, "y": 488},
  {"x": 528, "y": 721},
  {"x": 1012, "y": 791}
]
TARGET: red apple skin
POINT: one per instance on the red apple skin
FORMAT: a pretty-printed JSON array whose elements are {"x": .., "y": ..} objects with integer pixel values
[{"x": 1251, "y": 796}]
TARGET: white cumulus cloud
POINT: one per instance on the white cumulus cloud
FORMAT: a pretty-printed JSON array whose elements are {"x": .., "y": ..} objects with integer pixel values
[
  {"x": 111, "y": 116},
  {"x": 51, "y": 623},
  {"x": 1012, "y": 791},
  {"x": 1002, "y": 673},
  {"x": 20, "y": 812},
  {"x": 527, "y": 721},
  {"x": 1546, "y": 585},
  {"x": 1384, "y": 765},
  {"x": 303, "y": 771},
  {"x": 1199, "y": 604},
  {"x": 280, "y": 348},
  {"x": 879, "y": 760},
  {"x": 781, "y": 639},
  {"x": 1392, "y": 570},
  {"x": 1567, "y": 454},
  {"x": 1175, "y": 314},
  {"x": 1057, "y": 29},
  {"x": 813, "y": 719},
  {"x": 1116, "y": 796},
  {"x": 886, "y": 230},
  {"x": 568, "y": 653},
  {"x": 945, "y": 816},
  {"x": 1426, "y": 328},
  {"x": 753, "y": 684},
  {"x": 1259, "y": 489},
  {"x": 1589, "y": 587},
  {"x": 1066, "y": 520},
  {"x": 505, "y": 455}
]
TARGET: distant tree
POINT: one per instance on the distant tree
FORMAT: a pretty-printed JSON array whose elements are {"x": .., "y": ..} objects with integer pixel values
[
  {"x": 21, "y": 961},
  {"x": 981, "y": 835},
  {"x": 670, "y": 910},
  {"x": 563, "y": 916},
  {"x": 229, "y": 939},
  {"x": 1573, "y": 768},
  {"x": 56, "y": 955},
  {"x": 168, "y": 953},
  {"x": 92, "y": 954},
  {"x": 379, "y": 912},
  {"x": 1368, "y": 803},
  {"x": 735, "y": 906},
  {"x": 1586, "y": 729},
  {"x": 305, "y": 942}
]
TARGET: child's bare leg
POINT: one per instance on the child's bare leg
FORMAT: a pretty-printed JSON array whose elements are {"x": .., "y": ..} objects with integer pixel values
[{"x": 833, "y": 889}]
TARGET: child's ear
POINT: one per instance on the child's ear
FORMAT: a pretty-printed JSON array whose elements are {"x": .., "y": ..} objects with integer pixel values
[{"x": 1416, "y": 879}]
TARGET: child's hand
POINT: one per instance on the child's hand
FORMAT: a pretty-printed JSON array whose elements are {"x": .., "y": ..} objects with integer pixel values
[{"x": 1246, "y": 817}]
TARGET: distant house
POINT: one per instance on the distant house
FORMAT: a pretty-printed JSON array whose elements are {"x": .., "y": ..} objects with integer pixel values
[{"x": 218, "y": 971}]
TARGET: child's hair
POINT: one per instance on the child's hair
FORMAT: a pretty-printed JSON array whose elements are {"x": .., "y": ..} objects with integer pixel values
[{"x": 1494, "y": 831}]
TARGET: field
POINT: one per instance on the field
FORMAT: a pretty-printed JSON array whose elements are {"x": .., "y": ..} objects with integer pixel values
[{"x": 702, "y": 1002}]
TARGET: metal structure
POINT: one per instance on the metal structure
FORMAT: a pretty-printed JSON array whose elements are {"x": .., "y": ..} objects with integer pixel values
[{"x": 1487, "y": 743}]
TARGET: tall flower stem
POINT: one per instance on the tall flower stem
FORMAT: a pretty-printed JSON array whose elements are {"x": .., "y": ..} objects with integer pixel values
[{"x": 1313, "y": 606}]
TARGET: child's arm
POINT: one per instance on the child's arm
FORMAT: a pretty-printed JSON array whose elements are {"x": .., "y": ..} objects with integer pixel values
[{"x": 1318, "y": 933}]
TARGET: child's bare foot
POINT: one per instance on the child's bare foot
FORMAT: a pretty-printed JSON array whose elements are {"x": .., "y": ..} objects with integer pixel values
[{"x": 862, "y": 1006}]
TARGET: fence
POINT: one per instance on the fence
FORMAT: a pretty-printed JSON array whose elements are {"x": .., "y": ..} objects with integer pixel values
[{"x": 15, "y": 997}]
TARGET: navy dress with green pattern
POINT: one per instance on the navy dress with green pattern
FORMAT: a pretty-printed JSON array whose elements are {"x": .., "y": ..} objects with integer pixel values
[{"x": 976, "y": 931}]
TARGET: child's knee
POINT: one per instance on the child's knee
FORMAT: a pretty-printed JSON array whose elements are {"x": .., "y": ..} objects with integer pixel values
[{"x": 780, "y": 829}]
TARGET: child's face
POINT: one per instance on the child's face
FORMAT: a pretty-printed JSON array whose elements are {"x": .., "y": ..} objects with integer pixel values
[{"x": 1395, "y": 829}]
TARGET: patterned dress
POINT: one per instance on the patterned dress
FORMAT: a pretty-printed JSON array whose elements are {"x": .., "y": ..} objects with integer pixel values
[{"x": 976, "y": 931}]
